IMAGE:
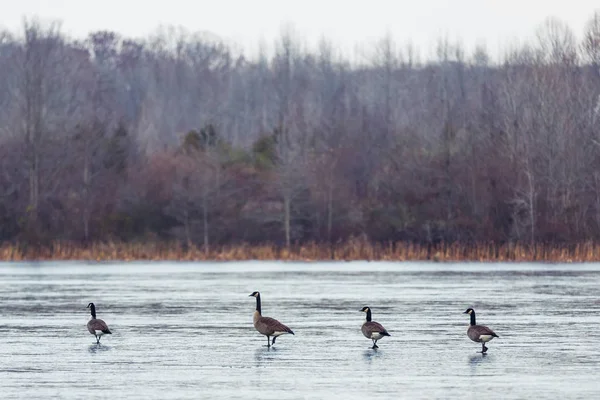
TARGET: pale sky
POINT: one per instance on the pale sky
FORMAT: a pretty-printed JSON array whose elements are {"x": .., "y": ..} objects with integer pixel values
[{"x": 347, "y": 23}]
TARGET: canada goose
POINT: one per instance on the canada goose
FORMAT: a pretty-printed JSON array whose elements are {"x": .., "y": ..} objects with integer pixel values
[
  {"x": 371, "y": 329},
  {"x": 268, "y": 326},
  {"x": 97, "y": 327},
  {"x": 479, "y": 333}
]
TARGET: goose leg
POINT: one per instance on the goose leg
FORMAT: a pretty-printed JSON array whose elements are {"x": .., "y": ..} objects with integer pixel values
[
  {"x": 273, "y": 341},
  {"x": 268, "y": 341},
  {"x": 483, "y": 348},
  {"x": 375, "y": 344}
]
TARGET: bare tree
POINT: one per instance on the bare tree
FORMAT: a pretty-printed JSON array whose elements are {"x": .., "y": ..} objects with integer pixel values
[
  {"x": 290, "y": 133},
  {"x": 557, "y": 42},
  {"x": 201, "y": 185},
  {"x": 591, "y": 40},
  {"x": 38, "y": 75},
  {"x": 97, "y": 120}
]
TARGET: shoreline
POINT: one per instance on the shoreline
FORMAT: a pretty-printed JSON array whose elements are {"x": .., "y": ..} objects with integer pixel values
[{"x": 351, "y": 250}]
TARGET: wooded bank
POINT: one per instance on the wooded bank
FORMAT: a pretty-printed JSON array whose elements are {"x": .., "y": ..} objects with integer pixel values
[{"x": 179, "y": 137}]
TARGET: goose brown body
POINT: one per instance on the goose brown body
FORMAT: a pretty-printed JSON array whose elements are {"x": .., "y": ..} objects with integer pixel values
[
  {"x": 476, "y": 332},
  {"x": 268, "y": 326},
  {"x": 96, "y": 324}
]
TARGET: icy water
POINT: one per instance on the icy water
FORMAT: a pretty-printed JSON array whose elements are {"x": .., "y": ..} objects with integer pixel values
[{"x": 184, "y": 331}]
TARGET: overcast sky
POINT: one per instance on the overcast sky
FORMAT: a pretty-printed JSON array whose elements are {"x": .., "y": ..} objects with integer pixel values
[{"x": 346, "y": 23}]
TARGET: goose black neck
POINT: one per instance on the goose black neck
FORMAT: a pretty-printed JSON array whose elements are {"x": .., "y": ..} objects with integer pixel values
[
  {"x": 369, "y": 315},
  {"x": 473, "y": 318},
  {"x": 93, "y": 311},
  {"x": 258, "y": 303}
]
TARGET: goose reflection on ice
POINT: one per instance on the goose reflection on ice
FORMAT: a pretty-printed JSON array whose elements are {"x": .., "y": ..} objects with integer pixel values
[
  {"x": 371, "y": 354},
  {"x": 476, "y": 360},
  {"x": 264, "y": 353},
  {"x": 98, "y": 348}
]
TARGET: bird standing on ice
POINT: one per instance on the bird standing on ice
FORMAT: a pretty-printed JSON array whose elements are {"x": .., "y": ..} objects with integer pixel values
[
  {"x": 479, "y": 333},
  {"x": 373, "y": 330},
  {"x": 268, "y": 326},
  {"x": 96, "y": 326}
]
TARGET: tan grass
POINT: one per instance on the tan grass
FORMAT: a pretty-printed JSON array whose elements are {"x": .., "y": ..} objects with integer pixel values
[{"x": 351, "y": 250}]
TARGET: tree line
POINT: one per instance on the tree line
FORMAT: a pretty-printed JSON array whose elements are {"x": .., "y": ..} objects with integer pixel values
[{"x": 180, "y": 136}]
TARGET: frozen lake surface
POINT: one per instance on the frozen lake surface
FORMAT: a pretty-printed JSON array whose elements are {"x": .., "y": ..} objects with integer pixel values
[{"x": 184, "y": 331}]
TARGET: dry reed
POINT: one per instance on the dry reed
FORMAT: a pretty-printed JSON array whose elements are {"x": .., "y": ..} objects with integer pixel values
[{"x": 353, "y": 249}]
